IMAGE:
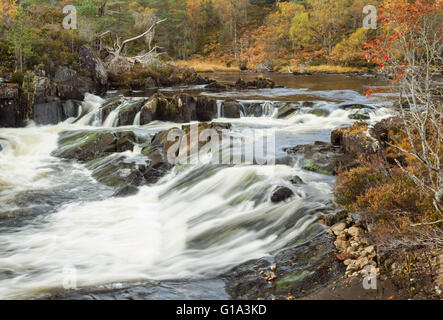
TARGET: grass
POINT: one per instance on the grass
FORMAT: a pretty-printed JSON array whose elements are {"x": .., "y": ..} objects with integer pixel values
[
  {"x": 206, "y": 66},
  {"x": 333, "y": 69}
]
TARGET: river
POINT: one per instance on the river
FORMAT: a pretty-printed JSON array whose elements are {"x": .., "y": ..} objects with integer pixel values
[{"x": 172, "y": 240}]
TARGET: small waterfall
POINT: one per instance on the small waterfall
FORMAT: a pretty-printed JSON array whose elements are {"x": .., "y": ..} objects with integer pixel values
[
  {"x": 220, "y": 109},
  {"x": 112, "y": 119},
  {"x": 243, "y": 111},
  {"x": 137, "y": 119},
  {"x": 269, "y": 109},
  {"x": 90, "y": 106}
]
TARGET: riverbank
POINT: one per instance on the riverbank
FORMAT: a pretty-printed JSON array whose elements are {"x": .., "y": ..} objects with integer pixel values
[{"x": 211, "y": 66}]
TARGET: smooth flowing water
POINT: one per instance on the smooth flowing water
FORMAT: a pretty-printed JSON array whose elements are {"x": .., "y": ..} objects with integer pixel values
[{"x": 172, "y": 239}]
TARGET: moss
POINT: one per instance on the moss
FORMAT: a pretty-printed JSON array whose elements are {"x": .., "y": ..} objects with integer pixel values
[
  {"x": 288, "y": 280},
  {"x": 311, "y": 166}
]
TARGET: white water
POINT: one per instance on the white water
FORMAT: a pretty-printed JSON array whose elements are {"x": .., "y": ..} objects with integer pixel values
[{"x": 197, "y": 222}]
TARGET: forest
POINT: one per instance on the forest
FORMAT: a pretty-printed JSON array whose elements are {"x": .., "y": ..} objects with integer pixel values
[{"x": 246, "y": 34}]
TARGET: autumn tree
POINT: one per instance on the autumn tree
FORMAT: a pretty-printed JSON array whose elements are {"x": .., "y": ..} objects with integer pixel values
[
  {"x": 326, "y": 20},
  {"x": 410, "y": 50}
]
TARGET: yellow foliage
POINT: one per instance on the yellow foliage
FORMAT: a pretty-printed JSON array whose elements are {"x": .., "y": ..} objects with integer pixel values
[
  {"x": 352, "y": 47},
  {"x": 8, "y": 9},
  {"x": 201, "y": 65}
]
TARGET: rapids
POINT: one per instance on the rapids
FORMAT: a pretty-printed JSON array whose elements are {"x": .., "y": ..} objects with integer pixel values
[{"x": 57, "y": 224}]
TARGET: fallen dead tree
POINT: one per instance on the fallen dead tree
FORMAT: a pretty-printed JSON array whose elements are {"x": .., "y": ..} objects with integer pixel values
[{"x": 117, "y": 62}]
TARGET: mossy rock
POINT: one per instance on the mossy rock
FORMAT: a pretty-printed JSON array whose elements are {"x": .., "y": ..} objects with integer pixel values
[
  {"x": 89, "y": 145},
  {"x": 311, "y": 166}
]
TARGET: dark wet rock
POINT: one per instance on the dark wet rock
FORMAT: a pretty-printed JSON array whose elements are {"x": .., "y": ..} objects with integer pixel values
[
  {"x": 324, "y": 158},
  {"x": 215, "y": 86},
  {"x": 308, "y": 104},
  {"x": 89, "y": 145},
  {"x": 50, "y": 112},
  {"x": 232, "y": 109},
  {"x": 295, "y": 271},
  {"x": 145, "y": 115},
  {"x": 110, "y": 106},
  {"x": 70, "y": 85},
  {"x": 286, "y": 111},
  {"x": 240, "y": 84},
  {"x": 119, "y": 171},
  {"x": 334, "y": 218},
  {"x": 206, "y": 109},
  {"x": 157, "y": 153},
  {"x": 9, "y": 105},
  {"x": 261, "y": 83},
  {"x": 356, "y": 107},
  {"x": 281, "y": 194},
  {"x": 297, "y": 180},
  {"x": 180, "y": 109},
  {"x": 127, "y": 114},
  {"x": 91, "y": 63},
  {"x": 255, "y": 109}
]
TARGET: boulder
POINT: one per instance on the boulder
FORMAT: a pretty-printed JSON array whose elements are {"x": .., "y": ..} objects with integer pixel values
[
  {"x": 90, "y": 145},
  {"x": 320, "y": 112},
  {"x": 127, "y": 114},
  {"x": 206, "y": 109},
  {"x": 324, "y": 158},
  {"x": 356, "y": 107},
  {"x": 359, "y": 116},
  {"x": 110, "y": 106},
  {"x": 286, "y": 111},
  {"x": 119, "y": 171},
  {"x": 50, "y": 112},
  {"x": 355, "y": 140},
  {"x": 43, "y": 89},
  {"x": 72, "y": 86},
  {"x": 90, "y": 62},
  {"x": 281, "y": 194},
  {"x": 338, "y": 228},
  {"x": 9, "y": 105},
  {"x": 232, "y": 109},
  {"x": 180, "y": 109}
]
